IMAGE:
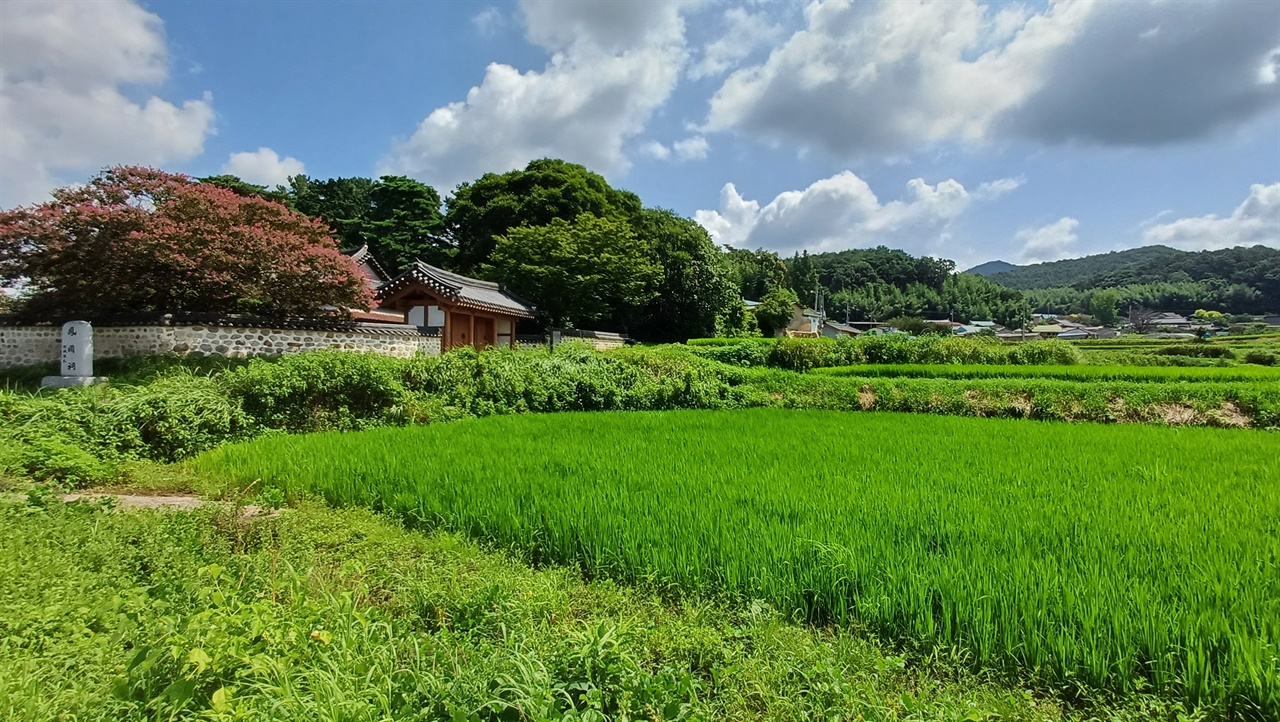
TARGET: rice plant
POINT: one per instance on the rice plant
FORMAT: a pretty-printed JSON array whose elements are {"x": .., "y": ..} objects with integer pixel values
[
  {"x": 1123, "y": 558},
  {"x": 1155, "y": 374}
]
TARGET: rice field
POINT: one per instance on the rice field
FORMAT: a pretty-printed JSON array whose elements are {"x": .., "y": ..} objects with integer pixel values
[
  {"x": 1115, "y": 557},
  {"x": 1154, "y": 374}
]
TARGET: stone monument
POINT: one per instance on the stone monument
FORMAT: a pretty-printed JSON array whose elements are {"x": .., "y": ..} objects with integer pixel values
[{"x": 77, "y": 357}]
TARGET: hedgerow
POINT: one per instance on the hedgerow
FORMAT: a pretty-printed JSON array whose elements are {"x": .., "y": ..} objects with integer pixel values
[{"x": 803, "y": 354}]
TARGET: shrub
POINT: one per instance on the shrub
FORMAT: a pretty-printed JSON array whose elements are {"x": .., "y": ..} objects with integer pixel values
[
  {"x": 1197, "y": 351},
  {"x": 320, "y": 390},
  {"x": 1262, "y": 358}
]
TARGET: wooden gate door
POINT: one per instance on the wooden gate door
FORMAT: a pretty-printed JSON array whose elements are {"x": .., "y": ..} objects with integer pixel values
[{"x": 459, "y": 330}]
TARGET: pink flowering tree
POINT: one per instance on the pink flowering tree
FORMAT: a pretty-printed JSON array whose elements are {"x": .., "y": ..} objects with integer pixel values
[{"x": 138, "y": 239}]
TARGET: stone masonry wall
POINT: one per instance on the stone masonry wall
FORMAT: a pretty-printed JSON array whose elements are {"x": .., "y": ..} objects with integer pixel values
[{"x": 26, "y": 345}]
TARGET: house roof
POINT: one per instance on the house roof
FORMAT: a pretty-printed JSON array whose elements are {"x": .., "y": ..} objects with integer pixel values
[
  {"x": 1047, "y": 328},
  {"x": 369, "y": 265},
  {"x": 843, "y": 328},
  {"x": 460, "y": 290}
]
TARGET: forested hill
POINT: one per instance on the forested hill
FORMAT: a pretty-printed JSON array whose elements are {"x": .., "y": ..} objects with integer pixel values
[
  {"x": 1073, "y": 271},
  {"x": 990, "y": 267},
  {"x": 1150, "y": 264}
]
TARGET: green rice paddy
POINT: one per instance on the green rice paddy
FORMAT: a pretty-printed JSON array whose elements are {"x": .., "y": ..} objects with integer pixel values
[
  {"x": 1117, "y": 557},
  {"x": 1154, "y": 374}
]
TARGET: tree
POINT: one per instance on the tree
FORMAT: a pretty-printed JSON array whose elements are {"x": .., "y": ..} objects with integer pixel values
[
  {"x": 342, "y": 203},
  {"x": 694, "y": 291},
  {"x": 755, "y": 272},
  {"x": 546, "y": 190},
  {"x": 403, "y": 224},
  {"x": 589, "y": 271},
  {"x": 1103, "y": 306},
  {"x": 244, "y": 188},
  {"x": 1141, "y": 319},
  {"x": 776, "y": 310},
  {"x": 137, "y": 239}
]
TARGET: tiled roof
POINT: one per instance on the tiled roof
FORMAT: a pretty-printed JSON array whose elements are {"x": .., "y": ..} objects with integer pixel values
[
  {"x": 460, "y": 290},
  {"x": 369, "y": 265}
]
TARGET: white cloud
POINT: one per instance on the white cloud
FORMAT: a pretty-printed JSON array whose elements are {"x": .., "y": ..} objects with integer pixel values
[
  {"x": 63, "y": 114},
  {"x": 611, "y": 66},
  {"x": 1051, "y": 242},
  {"x": 841, "y": 212},
  {"x": 744, "y": 33},
  {"x": 1254, "y": 222},
  {"x": 263, "y": 167},
  {"x": 695, "y": 148},
  {"x": 654, "y": 149},
  {"x": 489, "y": 21},
  {"x": 883, "y": 78}
]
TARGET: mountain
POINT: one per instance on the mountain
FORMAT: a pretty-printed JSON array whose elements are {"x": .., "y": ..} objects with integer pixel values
[
  {"x": 990, "y": 267},
  {"x": 1150, "y": 264}
]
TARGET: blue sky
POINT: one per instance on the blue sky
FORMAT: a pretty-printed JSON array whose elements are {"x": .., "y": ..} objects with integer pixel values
[{"x": 964, "y": 129}]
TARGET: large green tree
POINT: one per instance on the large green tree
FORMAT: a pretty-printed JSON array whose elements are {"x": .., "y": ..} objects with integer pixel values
[
  {"x": 588, "y": 271},
  {"x": 480, "y": 212},
  {"x": 694, "y": 291},
  {"x": 403, "y": 224},
  {"x": 342, "y": 203}
]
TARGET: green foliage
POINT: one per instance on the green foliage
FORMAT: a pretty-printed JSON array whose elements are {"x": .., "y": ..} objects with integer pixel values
[
  {"x": 342, "y": 203},
  {"x": 403, "y": 224},
  {"x": 1155, "y": 374},
  {"x": 804, "y": 353},
  {"x": 1167, "y": 587},
  {"x": 918, "y": 326},
  {"x": 243, "y": 188},
  {"x": 695, "y": 291},
  {"x": 1198, "y": 350},
  {"x": 325, "y": 615},
  {"x": 776, "y": 309},
  {"x": 480, "y": 212},
  {"x": 312, "y": 391},
  {"x": 1262, "y": 358},
  {"x": 1104, "y": 305},
  {"x": 79, "y": 437},
  {"x": 585, "y": 271}
]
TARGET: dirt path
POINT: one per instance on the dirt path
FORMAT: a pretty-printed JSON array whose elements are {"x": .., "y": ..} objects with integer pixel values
[{"x": 171, "y": 502}]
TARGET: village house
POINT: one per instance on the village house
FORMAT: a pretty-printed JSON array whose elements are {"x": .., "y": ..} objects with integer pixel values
[{"x": 468, "y": 311}]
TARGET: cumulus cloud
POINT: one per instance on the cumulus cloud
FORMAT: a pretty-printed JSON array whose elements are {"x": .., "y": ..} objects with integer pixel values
[
  {"x": 611, "y": 66},
  {"x": 842, "y": 212},
  {"x": 878, "y": 79},
  {"x": 744, "y": 33},
  {"x": 1256, "y": 221},
  {"x": 263, "y": 167},
  {"x": 1051, "y": 242},
  {"x": 63, "y": 114}
]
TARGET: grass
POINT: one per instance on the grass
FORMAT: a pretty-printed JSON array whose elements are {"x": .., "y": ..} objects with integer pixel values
[
  {"x": 1157, "y": 374},
  {"x": 325, "y": 615},
  {"x": 1118, "y": 558}
]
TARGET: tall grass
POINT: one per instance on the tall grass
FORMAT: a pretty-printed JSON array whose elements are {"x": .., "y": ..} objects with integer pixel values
[
  {"x": 1157, "y": 374},
  {"x": 1121, "y": 558}
]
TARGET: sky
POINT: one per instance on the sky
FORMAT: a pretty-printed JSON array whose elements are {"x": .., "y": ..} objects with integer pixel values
[{"x": 962, "y": 129}]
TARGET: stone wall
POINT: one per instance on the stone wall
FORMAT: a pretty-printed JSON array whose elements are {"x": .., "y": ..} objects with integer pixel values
[{"x": 26, "y": 345}]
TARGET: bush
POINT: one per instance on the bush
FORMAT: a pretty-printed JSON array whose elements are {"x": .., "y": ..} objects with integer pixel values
[
  {"x": 320, "y": 390},
  {"x": 802, "y": 354},
  {"x": 1262, "y": 358},
  {"x": 1197, "y": 351}
]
